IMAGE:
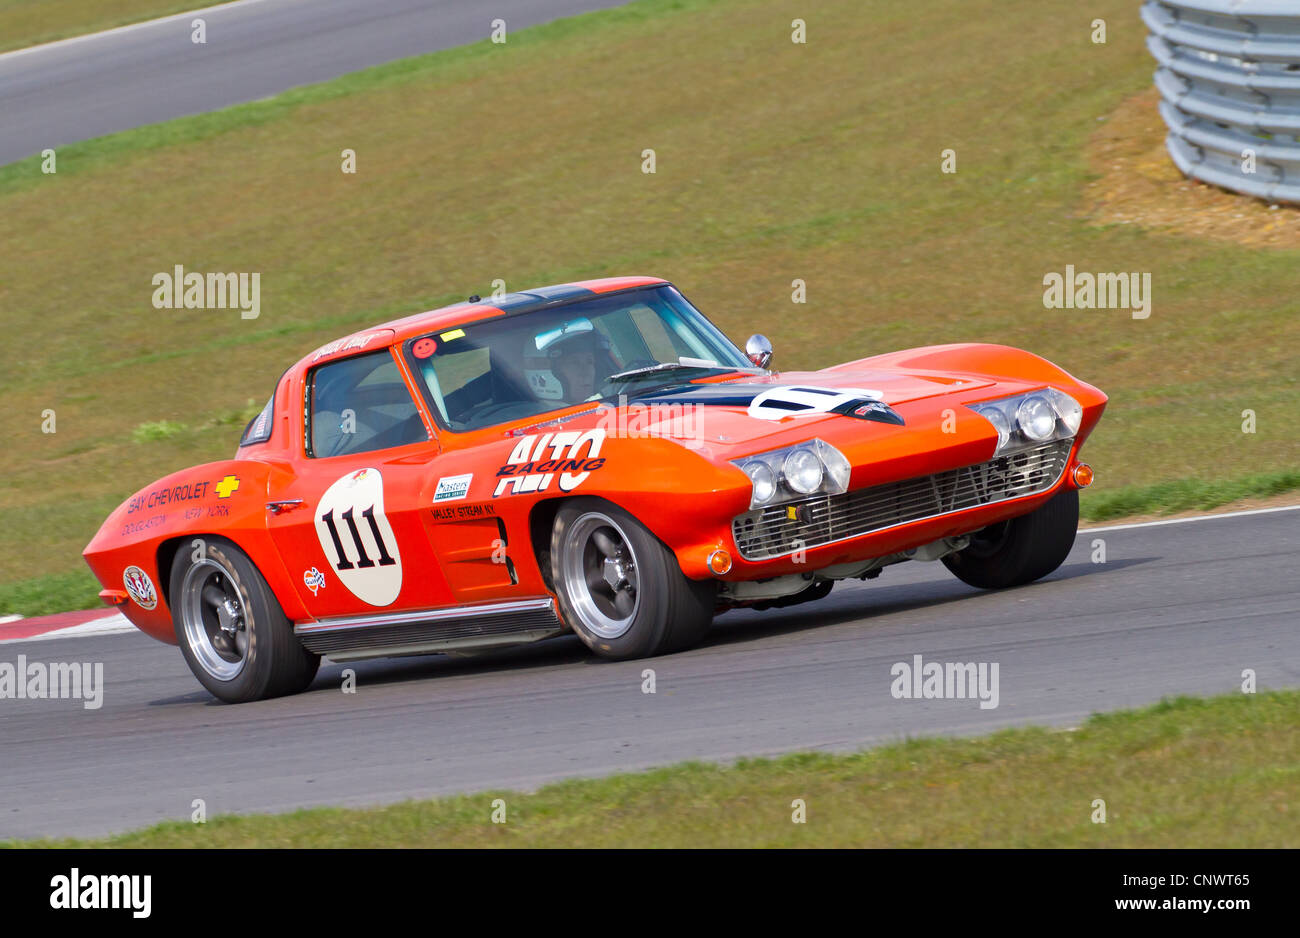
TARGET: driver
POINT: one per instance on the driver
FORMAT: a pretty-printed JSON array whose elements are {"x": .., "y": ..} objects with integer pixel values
[{"x": 573, "y": 362}]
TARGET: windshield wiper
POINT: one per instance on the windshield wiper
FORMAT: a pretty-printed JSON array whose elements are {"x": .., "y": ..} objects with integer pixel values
[{"x": 662, "y": 366}]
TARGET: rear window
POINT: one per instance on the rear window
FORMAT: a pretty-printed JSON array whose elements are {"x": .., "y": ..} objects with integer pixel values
[{"x": 259, "y": 428}]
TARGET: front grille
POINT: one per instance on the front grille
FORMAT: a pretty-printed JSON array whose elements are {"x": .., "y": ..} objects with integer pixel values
[{"x": 769, "y": 532}]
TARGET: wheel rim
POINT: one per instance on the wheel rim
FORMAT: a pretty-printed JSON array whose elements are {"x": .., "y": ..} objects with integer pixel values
[
  {"x": 600, "y": 575},
  {"x": 212, "y": 614}
]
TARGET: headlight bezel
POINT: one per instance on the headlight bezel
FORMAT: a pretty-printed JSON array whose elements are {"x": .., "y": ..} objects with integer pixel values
[
  {"x": 1067, "y": 411},
  {"x": 834, "y": 476}
]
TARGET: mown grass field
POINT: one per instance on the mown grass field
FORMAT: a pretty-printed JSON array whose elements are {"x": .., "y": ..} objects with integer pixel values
[
  {"x": 775, "y": 161},
  {"x": 31, "y": 22},
  {"x": 1223, "y": 772}
]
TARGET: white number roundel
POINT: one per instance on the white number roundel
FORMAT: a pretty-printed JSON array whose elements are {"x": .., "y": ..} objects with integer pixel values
[{"x": 358, "y": 540}]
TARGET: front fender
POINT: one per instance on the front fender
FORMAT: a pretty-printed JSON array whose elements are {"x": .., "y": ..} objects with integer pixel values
[{"x": 684, "y": 497}]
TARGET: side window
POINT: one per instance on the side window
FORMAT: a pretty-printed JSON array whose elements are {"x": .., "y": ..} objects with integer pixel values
[
  {"x": 459, "y": 382},
  {"x": 360, "y": 404}
]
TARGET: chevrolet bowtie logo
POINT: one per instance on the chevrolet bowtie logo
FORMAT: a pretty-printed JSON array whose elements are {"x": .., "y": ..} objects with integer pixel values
[{"x": 226, "y": 486}]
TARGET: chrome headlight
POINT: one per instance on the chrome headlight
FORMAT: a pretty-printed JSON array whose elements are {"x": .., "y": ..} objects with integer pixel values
[
  {"x": 1036, "y": 418},
  {"x": 1023, "y": 420},
  {"x": 764, "y": 481},
  {"x": 803, "y": 471},
  {"x": 793, "y": 472}
]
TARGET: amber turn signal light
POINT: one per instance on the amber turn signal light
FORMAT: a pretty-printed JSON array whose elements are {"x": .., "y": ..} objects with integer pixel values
[
  {"x": 1083, "y": 475},
  {"x": 719, "y": 561}
]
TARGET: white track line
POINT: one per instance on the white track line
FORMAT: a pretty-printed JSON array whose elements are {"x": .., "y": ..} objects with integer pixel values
[
  {"x": 127, "y": 28},
  {"x": 4, "y": 619},
  {"x": 1226, "y": 514},
  {"x": 108, "y": 625}
]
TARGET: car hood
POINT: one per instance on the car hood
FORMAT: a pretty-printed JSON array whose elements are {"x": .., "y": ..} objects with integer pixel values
[{"x": 747, "y": 410}]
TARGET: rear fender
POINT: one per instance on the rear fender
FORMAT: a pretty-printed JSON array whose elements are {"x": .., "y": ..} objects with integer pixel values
[{"x": 177, "y": 513}]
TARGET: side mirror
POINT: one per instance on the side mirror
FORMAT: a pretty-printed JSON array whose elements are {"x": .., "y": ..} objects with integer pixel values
[{"x": 758, "y": 350}]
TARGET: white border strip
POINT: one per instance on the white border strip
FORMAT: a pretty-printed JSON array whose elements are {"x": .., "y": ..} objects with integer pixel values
[
  {"x": 107, "y": 625},
  {"x": 1228, "y": 514},
  {"x": 125, "y": 29}
]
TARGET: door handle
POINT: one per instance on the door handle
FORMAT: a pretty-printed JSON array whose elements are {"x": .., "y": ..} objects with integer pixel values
[{"x": 287, "y": 504}]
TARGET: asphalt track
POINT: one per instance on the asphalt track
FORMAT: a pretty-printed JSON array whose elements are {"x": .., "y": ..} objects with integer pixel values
[
  {"x": 1175, "y": 609},
  {"x": 95, "y": 85}
]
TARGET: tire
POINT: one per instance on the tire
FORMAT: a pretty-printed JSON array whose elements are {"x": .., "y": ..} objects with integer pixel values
[
  {"x": 1021, "y": 550},
  {"x": 242, "y": 651},
  {"x": 653, "y": 609}
]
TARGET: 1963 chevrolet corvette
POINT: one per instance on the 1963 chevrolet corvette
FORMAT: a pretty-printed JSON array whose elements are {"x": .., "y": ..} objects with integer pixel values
[{"x": 594, "y": 457}]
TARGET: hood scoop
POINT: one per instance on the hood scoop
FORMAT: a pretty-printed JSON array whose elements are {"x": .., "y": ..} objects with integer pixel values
[{"x": 776, "y": 402}]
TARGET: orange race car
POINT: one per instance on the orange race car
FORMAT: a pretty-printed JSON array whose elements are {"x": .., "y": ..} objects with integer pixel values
[{"x": 594, "y": 457}]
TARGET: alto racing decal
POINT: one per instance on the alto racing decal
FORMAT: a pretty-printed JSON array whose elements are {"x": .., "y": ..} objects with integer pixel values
[
  {"x": 314, "y": 580},
  {"x": 537, "y": 461},
  {"x": 357, "y": 539},
  {"x": 139, "y": 587},
  {"x": 453, "y": 488}
]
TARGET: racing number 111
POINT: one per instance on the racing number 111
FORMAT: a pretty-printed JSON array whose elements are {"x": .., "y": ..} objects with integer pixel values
[{"x": 363, "y": 559}]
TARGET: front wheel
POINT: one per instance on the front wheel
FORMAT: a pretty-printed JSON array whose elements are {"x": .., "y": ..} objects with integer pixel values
[
  {"x": 620, "y": 588},
  {"x": 232, "y": 632},
  {"x": 1021, "y": 550}
]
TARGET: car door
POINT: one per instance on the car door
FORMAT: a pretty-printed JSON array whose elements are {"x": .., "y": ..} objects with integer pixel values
[{"x": 347, "y": 515}]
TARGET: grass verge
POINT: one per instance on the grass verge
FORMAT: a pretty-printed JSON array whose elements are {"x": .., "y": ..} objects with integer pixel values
[
  {"x": 51, "y": 593},
  {"x": 1189, "y": 772},
  {"x": 26, "y": 23},
  {"x": 1184, "y": 495}
]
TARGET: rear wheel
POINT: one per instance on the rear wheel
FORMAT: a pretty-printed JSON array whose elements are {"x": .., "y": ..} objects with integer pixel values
[
  {"x": 232, "y": 632},
  {"x": 1019, "y": 551},
  {"x": 620, "y": 589}
]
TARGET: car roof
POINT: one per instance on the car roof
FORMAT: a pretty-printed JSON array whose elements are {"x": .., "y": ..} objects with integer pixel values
[{"x": 524, "y": 301}]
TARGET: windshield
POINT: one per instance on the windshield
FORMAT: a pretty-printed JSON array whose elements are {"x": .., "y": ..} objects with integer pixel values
[{"x": 519, "y": 366}]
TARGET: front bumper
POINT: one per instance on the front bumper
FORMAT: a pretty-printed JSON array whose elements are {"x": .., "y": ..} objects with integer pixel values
[{"x": 784, "y": 530}]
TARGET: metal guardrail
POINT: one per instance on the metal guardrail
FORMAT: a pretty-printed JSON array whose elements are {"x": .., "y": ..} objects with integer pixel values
[{"x": 1229, "y": 79}]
